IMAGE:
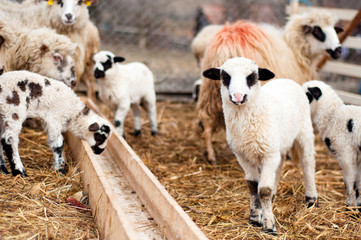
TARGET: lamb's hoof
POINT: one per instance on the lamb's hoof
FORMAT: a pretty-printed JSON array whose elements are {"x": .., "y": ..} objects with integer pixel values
[
  {"x": 4, "y": 169},
  {"x": 270, "y": 231},
  {"x": 137, "y": 133},
  {"x": 61, "y": 171},
  {"x": 16, "y": 172},
  {"x": 154, "y": 133},
  {"x": 255, "y": 223},
  {"x": 311, "y": 201}
]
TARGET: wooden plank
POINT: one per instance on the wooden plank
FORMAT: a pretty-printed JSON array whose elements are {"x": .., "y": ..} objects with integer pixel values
[
  {"x": 346, "y": 69},
  {"x": 342, "y": 14},
  {"x": 349, "y": 98},
  {"x": 117, "y": 212},
  {"x": 352, "y": 42},
  {"x": 175, "y": 223}
]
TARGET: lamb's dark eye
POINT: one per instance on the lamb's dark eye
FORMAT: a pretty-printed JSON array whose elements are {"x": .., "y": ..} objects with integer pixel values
[
  {"x": 251, "y": 79},
  {"x": 226, "y": 79},
  {"x": 107, "y": 64}
]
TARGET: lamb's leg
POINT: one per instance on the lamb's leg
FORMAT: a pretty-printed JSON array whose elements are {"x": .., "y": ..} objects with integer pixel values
[
  {"x": 10, "y": 143},
  {"x": 347, "y": 161},
  {"x": 56, "y": 143},
  {"x": 207, "y": 125},
  {"x": 304, "y": 144},
  {"x": 137, "y": 119},
  {"x": 151, "y": 108},
  {"x": 266, "y": 190},
  {"x": 358, "y": 182},
  {"x": 3, "y": 168},
  {"x": 252, "y": 178},
  {"x": 119, "y": 117}
]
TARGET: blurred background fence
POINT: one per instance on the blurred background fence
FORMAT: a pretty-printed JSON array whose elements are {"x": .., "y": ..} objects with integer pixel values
[{"x": 159, "y": 33}]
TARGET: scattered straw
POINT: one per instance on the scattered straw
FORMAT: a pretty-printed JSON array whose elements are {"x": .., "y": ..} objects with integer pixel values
[
  {"x": 217, "y": 199},
  {"x": 35, "y": 207}
]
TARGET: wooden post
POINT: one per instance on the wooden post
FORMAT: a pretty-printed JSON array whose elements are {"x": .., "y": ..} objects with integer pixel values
[
  {"x": 348, "y": 30},
  {"x": 294, "y": 6}
]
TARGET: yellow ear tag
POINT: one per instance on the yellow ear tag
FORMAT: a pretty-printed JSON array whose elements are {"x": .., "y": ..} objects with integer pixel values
[
  {"x": 51, "y": 2},
  {"x": 88, "y": 3}
]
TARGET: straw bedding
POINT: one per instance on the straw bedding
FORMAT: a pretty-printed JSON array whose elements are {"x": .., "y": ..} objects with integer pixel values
[{"x": 217, "y": 199}]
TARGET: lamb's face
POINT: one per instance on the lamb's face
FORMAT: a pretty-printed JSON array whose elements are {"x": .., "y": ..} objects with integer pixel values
[
  {"x": 59, "y": 66},
  {"x": 324, "y": 39},
  {"x": 98, "y": 135},
  {"x": 69, "y": 10},
  {"x": 2, "y": 55},
  {"x": 103, "y": 61},
  {"x": 239, "y": 77}
]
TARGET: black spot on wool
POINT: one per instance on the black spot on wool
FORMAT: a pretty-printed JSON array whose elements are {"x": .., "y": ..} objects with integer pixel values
[
  {"x": 117, "y": 123},
  {"x": 15, "y": 99},
  {"x": 328, "y": 144},
  {"x": 350, "y": 125},
  {"x": 59, "y": 150},
  {"x": 35, "y": 90},
  {"x": 22, "y": 85},
  {"x": 47, "y": 82}
]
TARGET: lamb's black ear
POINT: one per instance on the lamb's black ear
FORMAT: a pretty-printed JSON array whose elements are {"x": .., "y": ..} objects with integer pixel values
[
  {"x": 265, "y": 74},
  {"x": 118, "y": 59},
  {"x": 309, "y": 96},
  {"x": 212, "y": 73},
  {"x": 338, "y": 30},
  {"x": 316, "y": 92}
]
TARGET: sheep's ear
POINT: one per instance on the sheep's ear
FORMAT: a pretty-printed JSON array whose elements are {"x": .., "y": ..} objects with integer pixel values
[
  {"x": 306, "y": 29},
  {"x": 316, "y": 92},
  {"x": 44, "y": 48},
  {"x": 212, "y": 73},
  {"x": 309, "y": 96},
  {"x": 338, "y": 29},
  {"x": 118, "y": 59},
  {"x": 265, "y": 74}
]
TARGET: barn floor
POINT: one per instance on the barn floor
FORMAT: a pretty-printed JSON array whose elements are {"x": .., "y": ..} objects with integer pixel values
[{"x": 36, "y": 207}]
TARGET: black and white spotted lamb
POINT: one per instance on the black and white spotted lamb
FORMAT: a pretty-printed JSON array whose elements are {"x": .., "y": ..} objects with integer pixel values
[
  {"x": 29, "y": 95},
  {"x": 339, "y": 126}
]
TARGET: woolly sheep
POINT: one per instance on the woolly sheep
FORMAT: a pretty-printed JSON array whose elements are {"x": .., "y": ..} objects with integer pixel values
[
  {"x": 41, "y": 51},
  {"x": 68, "y": 17},
  {"x": 24, "y": 94},
  {"x": 124, "y": 86},
  {"x": 202, "y": 40},
  {"x": 339, "y": 126},
  {"x": 292, "y": 55},
  {"x": 262, "y": 123},
  {"x": 92, "y": 47}
]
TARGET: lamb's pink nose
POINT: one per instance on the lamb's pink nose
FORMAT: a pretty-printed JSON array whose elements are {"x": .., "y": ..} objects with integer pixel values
[{"x": 238, "y": 97}]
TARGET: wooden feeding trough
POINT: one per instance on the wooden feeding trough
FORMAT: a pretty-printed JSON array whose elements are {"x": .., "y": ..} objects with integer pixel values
[{"x": 126, "y": 199}]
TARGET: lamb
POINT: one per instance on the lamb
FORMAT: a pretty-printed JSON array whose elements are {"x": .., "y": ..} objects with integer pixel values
[
  {"x": 41, "y": 51},
  {"x": 24, "y": 94},
  {"x": 339, "y": 126},
  {"x": 262, "y": 123},
  {"x": 124, "y": 86},
  {"x": 304, "y": 39}
]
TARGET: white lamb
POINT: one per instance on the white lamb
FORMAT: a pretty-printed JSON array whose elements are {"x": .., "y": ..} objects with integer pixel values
[
  {"x": 339, "y": 126},
  {"x": 124, "y": 86},
  {"x": 262, "y": 123},
  {"x": 29, "y": 95}
]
